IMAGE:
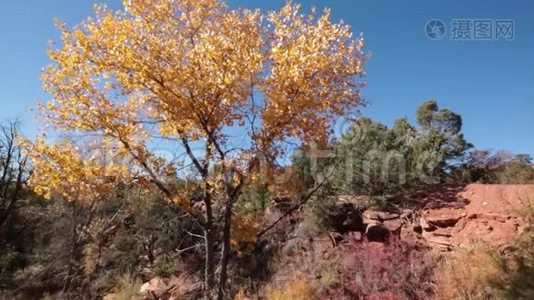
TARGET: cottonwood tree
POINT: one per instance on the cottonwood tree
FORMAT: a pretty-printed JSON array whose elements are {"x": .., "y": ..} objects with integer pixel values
[{"x": 236, "y": 83}]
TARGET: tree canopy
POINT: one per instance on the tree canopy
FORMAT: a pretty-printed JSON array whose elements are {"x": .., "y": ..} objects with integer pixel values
[{"x": 228, "y": 87}]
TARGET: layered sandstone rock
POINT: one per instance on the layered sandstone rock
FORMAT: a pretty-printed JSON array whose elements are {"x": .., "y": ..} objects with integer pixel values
[{"x": 456, "y": 217}]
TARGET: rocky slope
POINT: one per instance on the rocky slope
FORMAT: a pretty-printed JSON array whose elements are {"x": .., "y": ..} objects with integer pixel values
[
  {"x": 456, "y": 216},
  {"x": 444, "y": 219}
]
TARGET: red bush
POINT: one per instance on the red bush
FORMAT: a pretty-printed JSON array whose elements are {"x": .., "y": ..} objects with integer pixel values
[{"x": 394, "y": 270}]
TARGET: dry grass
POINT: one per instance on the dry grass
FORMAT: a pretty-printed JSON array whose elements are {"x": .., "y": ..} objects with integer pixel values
[
  {"x": 294, "y": 290},
  {"x": 127, "y": 288},
  {"x": 466, "y": 275}
]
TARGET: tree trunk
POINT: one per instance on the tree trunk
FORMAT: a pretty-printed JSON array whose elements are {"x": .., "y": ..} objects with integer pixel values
[
  {"x": 209, "y": 248},
  {"x": 226, "y": 249},
  {"x": 72, "y": 257}
]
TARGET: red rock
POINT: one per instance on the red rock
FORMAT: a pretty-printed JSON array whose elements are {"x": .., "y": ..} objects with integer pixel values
[
  {"x": 380, "y": 215},
  {"x": 443, "y": 217},
  {"x": 393, "y": 225},
  {"x": 474, "y": 214}
]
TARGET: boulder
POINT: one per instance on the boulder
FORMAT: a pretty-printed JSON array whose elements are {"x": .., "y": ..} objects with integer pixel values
[
  {"x": 171, "y": 288},
  {"x": 386, "y": 216},
  {"x": 393, "y": 225},
  {"x": 380, "y": 224},
  {"x": 440, "y": 243},
  {"x": 443, "y": 217},
  {"x": 380, "y": 215},
  {"x": 369, "y": 216},
  {"x": 156, "y": 288}
]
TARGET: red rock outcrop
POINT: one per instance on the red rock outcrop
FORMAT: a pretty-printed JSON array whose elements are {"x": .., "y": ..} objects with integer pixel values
[
  {"x": 454, "y": 217},
  {"x": 491, "y": 215}
]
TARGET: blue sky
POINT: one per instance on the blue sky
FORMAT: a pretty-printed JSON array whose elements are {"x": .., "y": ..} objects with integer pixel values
[{"x": 490, "y": 83}]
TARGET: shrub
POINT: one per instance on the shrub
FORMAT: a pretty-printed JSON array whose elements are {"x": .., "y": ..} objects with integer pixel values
[
  {"x": 381, "y": 271},
  {"x": 517, "y": 268},
  {"x": 9, "y": 261},
  {"x": 317, "y": 214},
  {"x": 501, "y": 167},
  {"x": 516, "y": 172},
  {"x": 329, "y": 277}
]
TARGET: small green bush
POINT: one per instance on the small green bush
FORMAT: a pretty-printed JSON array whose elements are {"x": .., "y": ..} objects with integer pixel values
[{"x": 517, "y": 268}]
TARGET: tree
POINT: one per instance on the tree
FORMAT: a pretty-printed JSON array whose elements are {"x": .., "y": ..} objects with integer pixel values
[
  {"x": 444, "y": 126},
  {"x": 229, "y": 88},
  {"x": 13, "y": 172},
  {"x": 516, "y": 173},
  {"x": 501, "y": 167},
  {"x": 476, "y": 167},
  {"x": 379, "y": 160}
]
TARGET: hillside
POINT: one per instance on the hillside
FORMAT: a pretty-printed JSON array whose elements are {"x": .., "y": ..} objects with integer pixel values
[{"x": 396, "y": 244}]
